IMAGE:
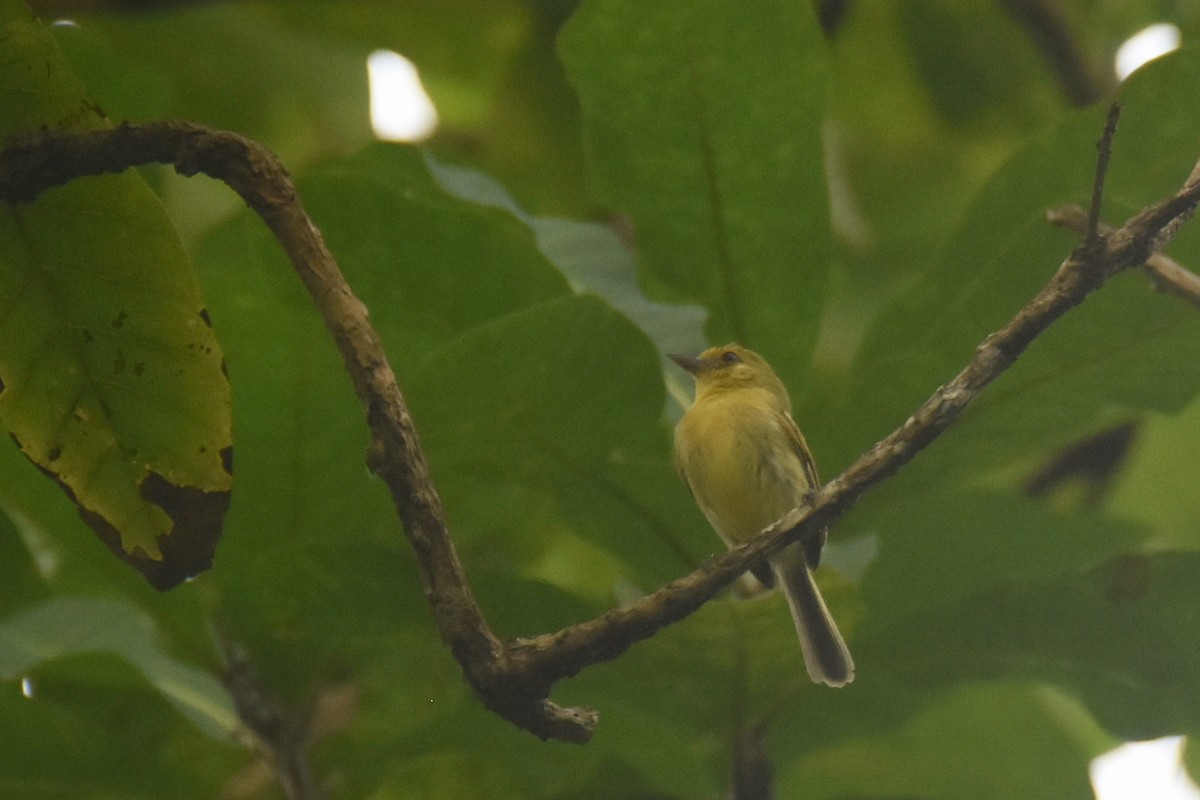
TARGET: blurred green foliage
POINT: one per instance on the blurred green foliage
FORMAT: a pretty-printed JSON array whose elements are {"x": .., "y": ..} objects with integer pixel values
[{"x": 864, "y": 207}]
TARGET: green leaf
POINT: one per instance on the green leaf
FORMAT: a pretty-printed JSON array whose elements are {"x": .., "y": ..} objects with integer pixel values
[
  {"x": 68, "y": 626},
  {"x": 593, "y": 258},
  {"x": 430, "y": 264},
  {"x": 558, "y": 404},
  {"x": 1157, "y": 488},
  {"x": 312, "y": 92},
  {"x": 1118, "y": 637},
  {"x": 468, "y": 276},
  {"x": 969, "y": 542},
  {"x": 950, "y": 750},
  {"x": 706, "y": 129},
  {"x": 112, "y": 379}
]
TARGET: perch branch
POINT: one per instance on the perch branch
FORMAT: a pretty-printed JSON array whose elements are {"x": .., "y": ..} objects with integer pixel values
[{"x": 514, "y": 679}]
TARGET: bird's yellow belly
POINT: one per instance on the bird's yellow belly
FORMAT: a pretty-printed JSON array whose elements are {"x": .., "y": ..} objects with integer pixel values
[{"x": 741, "y": 483}]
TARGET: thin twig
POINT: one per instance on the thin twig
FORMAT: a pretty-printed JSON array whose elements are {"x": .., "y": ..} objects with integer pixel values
[
  {"x": 1104, "y": 154},
  {"x": 1103, "y": 157}
]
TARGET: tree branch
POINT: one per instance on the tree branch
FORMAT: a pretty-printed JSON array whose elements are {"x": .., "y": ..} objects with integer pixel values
[
  {"x": 282, "y": 739},
  {"x": 514, "y": 679},
  {"x": 1167, "y": 274},
  {"x": 1091, "y": 231}
]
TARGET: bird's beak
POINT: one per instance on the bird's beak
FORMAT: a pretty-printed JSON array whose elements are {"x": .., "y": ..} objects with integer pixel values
[{"x": 690, "y": 363}]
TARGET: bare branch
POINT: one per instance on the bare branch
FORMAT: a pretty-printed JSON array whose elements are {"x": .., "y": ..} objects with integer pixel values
[{"x": 514, "y": 679}]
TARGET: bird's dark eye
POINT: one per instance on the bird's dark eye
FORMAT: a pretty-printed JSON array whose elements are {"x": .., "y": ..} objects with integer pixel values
[{"x": 730, "y": 357}]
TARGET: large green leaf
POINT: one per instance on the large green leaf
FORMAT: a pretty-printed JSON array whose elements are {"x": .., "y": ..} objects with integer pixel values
[
  {"x": 112, "y": 379},
  {"x": 594, "y": 259},
  {"x": 466, "y": 278},
  {"x": 706, "y": 130},
  {"x": 982, "y": 741},
  {"x": 970, "y": 542},
  {"x": 560, "y": 404},
  {"x": 1119, "y": 637},
  {"x": 429, "y": 264}
]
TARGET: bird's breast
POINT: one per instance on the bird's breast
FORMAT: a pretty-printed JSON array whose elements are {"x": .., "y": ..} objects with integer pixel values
[{"x": 737, "y": 460}]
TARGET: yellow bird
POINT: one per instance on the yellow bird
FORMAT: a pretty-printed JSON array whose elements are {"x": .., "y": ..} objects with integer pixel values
[{"x": 747, "y": 464}]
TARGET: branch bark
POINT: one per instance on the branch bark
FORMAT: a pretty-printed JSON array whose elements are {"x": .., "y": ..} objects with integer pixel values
[
  {"x": 514, "y": 679},
  {"x": 282, "y": 739},
  {"x": 1167, "y": 274}
]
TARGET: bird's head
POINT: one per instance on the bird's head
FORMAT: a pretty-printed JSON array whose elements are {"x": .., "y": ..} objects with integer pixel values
[{"x": 732, "y": 367}]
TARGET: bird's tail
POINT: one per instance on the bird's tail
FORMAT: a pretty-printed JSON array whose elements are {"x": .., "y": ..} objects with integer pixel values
[{"x": 825, "y": 653}]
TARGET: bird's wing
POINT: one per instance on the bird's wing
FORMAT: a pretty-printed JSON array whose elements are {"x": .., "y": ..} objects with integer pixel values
[
  {"x": 800, "y": 448},
  {"x": 815, "y": 542}
]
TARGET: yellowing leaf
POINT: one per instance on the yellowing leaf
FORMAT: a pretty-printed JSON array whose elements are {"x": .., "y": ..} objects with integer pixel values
[{"x": 113, "y": 382}]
